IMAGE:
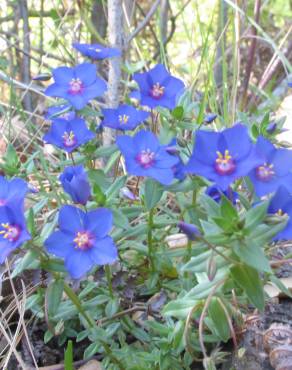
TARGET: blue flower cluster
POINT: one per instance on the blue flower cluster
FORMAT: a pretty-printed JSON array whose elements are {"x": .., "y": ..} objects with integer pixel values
[
  {"x": 82, "y": 238},
  {"x": 13, "y": 231}
]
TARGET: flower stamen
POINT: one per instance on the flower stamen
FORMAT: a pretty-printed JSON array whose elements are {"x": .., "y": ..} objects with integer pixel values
[
  {"x": 10, "y": 232},
  {"x": 69, "y": 139},
  {"x": 157, "y": 91},
  {"x": 224, "y": 163},
  {"x": 146, "y": 158},
  {"x": 76, "y": 86},
  {"x": 265, "y": 172},
  {"x": 83, "y": 240},
  {"x": 123, "y": 119}
]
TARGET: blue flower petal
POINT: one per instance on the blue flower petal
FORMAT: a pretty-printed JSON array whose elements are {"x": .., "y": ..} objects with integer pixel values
[
  {"x": 94, "y": 90},
  {"x": 56, "y": 90},
  {"x": 282, "y": 161},
  {"x": 71, "y": 219},
  {"x": 164, "y": 175},
  {"x": 99, "y": 222},
  {"x": 104, "y": 251},
  {"x": 158, "y": 74},
  {"x": 238, "y": 141},
  {"x": 146, "y": 140},
  {"x": 77, "y": 101},
  {"x": 60, "y": 244},
  {"x": 86, "y": 72},
  {"x": 142, "y": 81},
  {"x": 78, "y": 263},
  {"x": 63, "y": 75},
  {"x": 126, "y": 145}
]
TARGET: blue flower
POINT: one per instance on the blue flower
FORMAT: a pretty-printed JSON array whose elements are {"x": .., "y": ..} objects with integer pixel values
[
  {"x": 13, "y": 232},
  {"x": 96, "y": 51},
  {"x": 12, "y": 191},
  {"x": 274, "y": 170},
  {"x": 60, "y": 111},
  {"x": 158, "y": 87},
  {"x": 191, "y": 231},
  {"x": 68, "y": 135},
  {"x": 216, "y": 194},
  {"x": 223, "y": 157},
  {"x": 125, "y": 117},
  {"x": 281, "y": 205},
  {"x": 146, "y": 157},
  {"x": 82, "y": 239},
  {"x": 74, "y": 180},
  {"x": 78, "y": 85}
]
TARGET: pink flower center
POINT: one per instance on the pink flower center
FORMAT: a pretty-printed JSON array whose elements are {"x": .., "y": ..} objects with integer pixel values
[
  {"x": 265, "y": 172},
  {"x": 69, "y": 139},
  {"x": 76, "y": 86},
  {"x": 224, "y": 164},
  {"x": 157, "y": 91},
  {"x": 146, "y": 158},
  {"x": 10, "y": 232},
  {"x": 2, "y": 202},
  {"x": 83, "y": 240}
]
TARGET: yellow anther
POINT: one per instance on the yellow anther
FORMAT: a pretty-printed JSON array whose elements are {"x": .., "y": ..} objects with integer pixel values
[
  {"x": 123, "y": 119},
  {"x": 223, "y": 158}
]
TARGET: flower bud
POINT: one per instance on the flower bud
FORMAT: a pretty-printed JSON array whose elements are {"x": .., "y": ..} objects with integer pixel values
[
  {"x": 75, "y": 182},
  {"x": 191, "y": 231},
  {"x": 209, "y": 118},
  {"x": 42, "y": 77},
  {"x": 271, "y": 127},
  {"x": 127, "y": 194}
]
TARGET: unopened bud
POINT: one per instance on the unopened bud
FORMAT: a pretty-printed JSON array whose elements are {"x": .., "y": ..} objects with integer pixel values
[
  {"x": 209, "y": 118},
  {"x": 191, "y": 231},
  {"x": 42, "y": 77},
  {"x": 127, "y": 194}
]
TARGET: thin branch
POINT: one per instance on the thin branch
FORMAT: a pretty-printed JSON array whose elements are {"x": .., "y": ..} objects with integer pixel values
[
  {"x": 115, "y": 27},
  {"x": 144, "y": 23},
  {"x": 251, "y": 53}
]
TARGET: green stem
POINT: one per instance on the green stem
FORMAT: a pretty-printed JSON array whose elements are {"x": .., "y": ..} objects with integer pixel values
[
  {"x": 108, "y": 274},
  {"x": 75, "y": 300},
  {"x": 150, "y": 240}
]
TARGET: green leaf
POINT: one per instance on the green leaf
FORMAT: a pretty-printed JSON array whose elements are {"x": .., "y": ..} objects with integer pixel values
[
  {"x": 29, "y": 261},
  {"x": 255, "y": 215},
  {"x": 152, "y": 193},
  {"x": 54, "y": 296},
  {"x": 11, "y": 157},
  {"x": 280, "y": 285},
  {"x": 91, "y": 350},
  {"x": 30, "y": 222},
  {"x": 220, "y": 322},
  {"x": 115, "y": 187},
  {"x": 112, "y": 307},
  {"x": 120, "y": 220},
  {"x": 264, "y": 123},
  {"x": 249, "y": 280},
  {"x": 252, "y": 254},
  {"x": 255, "y": 131},
  {"x": 212, "y": 208},
  {"x": 98, "y": 195},
  {"x": 48, "y": 336},
  {"x": 227, "y": 209},
  {"x": 178, "y": 112},
  {"x": 68, "y": 362}
]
